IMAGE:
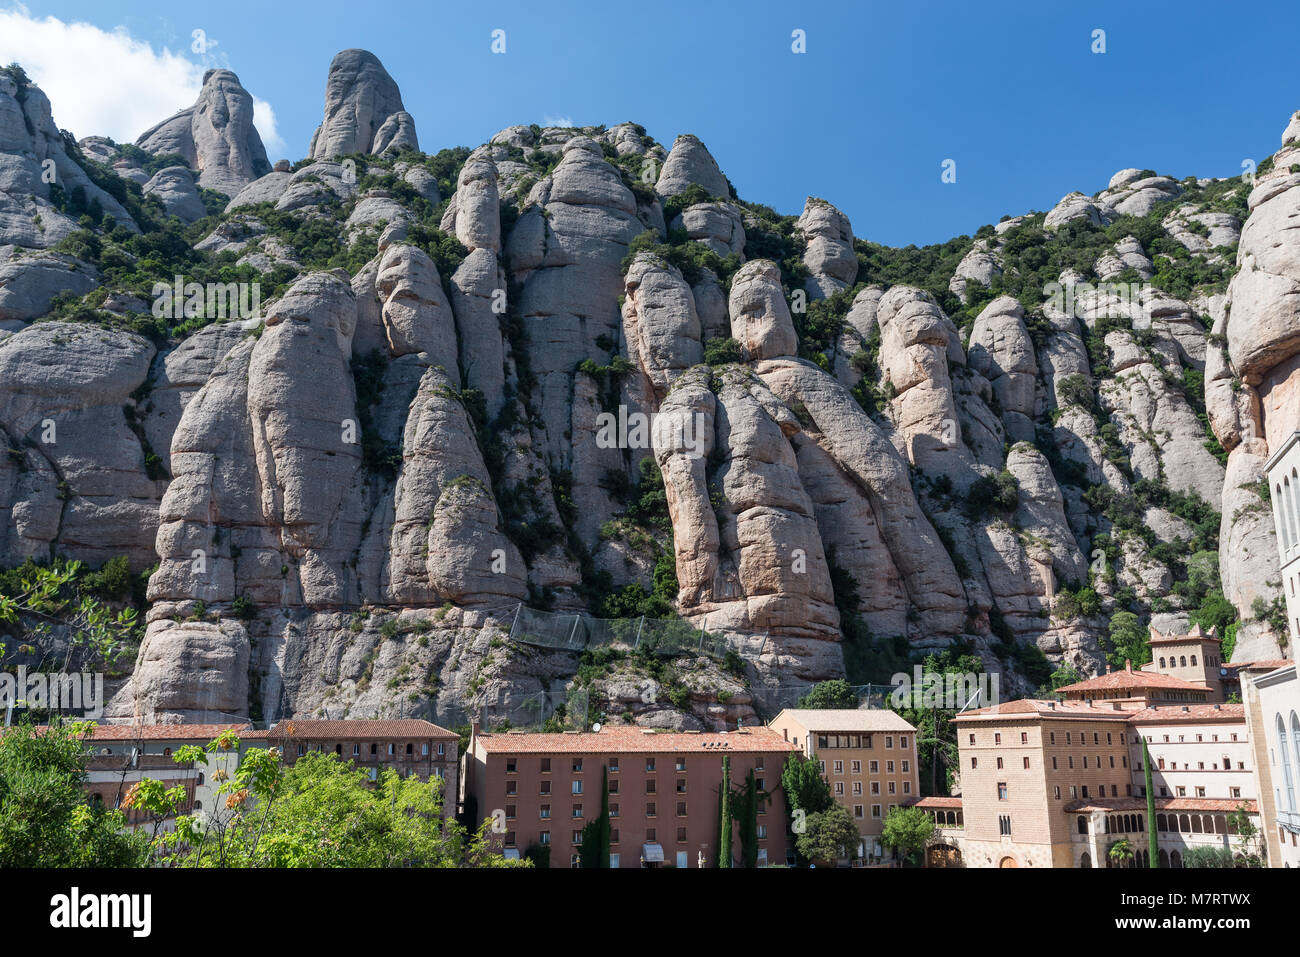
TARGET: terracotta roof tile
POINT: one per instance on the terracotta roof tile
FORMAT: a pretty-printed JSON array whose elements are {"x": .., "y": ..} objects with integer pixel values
[
  {"x": 1190, "y": 712},
  {"x": 347, "y": 730},
  {"x": 1039, "y": 707},
  {"x": 846, "y": 719},
  {"x": 162, "y": 732},
  {"x": 1117, "y": 680},
  {"x": 632, "y": 739},
  {"x": 947, "y": 803}
]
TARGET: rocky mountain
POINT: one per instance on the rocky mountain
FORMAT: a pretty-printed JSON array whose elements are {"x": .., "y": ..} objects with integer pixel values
[{"x": 1024, "y": 444}]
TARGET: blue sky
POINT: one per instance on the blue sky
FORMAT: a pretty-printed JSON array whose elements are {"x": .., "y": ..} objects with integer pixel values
[{"x": 865, "y": 118}]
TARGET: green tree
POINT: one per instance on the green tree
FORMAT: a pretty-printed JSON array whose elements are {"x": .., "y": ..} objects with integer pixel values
[
  {"x": 595, "y": 836},
  {"x": 1127, "y": 642},
  {"x": 321, "y": 812},
  {"x": 45, "y": 817},
  {"x": 836, "y": 693},
  {"x": 828, "y": 835},
  {"x": 724, "y": 814},
  {"x": 1120, "y": 852},
  {"x": 1153, "y": 849},
  {"x": 907, "y": 830},
  {"x": 805, "y": 788},
  {"x": 745, "y": 814}
]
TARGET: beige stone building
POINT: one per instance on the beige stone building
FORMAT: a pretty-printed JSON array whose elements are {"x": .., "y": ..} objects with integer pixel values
[
  {"x": 1061, "y": 783},
  {"x": 867, "y": 756}
]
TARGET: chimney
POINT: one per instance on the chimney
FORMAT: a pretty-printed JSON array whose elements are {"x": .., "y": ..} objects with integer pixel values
[{"x": 1128, "y": 665}]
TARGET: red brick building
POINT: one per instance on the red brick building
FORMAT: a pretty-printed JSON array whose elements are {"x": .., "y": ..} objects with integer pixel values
[{"x": 543, "y": 789}]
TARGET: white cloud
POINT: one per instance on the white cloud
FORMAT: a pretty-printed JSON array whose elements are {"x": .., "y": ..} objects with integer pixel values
[
  {"x": 550, "y": 119},
  {"x": 107, "y": 83},
  {"x": 264, "y": 120}
]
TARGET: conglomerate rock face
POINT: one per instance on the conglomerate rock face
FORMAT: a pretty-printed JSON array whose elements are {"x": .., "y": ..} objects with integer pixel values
[{"x": 571, "y": 372}]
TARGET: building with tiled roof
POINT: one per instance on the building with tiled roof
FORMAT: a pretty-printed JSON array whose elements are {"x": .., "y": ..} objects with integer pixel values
[
  {"x": 542, "y": 789},
  {"x": 1137, "y": 687},
  {"x": 1049, "y": 783},
  {"x": 409, "y": 746},
  {"x": 867, "y": 756}
]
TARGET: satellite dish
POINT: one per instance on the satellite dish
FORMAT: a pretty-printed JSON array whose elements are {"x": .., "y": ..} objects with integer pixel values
[{"x": 596, "y": 727}]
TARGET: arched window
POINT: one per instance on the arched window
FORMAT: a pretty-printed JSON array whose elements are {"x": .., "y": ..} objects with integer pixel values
[
  {"x": 1288, "y": 510},
  {"x": 200, "y": 780},
  {"x": 1295, "y": 739},
  {"x": 1160, "y": 823},
  {"x": 409, "y": 748},
  {"x": 1162, "y": 662},
  {"x": 1295, "y": 506},
  {"x": 1182, "y": 661},
  {"x": 1085, "y": 860},
  {"x": 1281, "y": 514},
  {"x": 1175, "y": 859},
  {"x": 1193, "y": 661},
  {"x": 1284, "y": 747},
  {"x": 1184, "y": 824}
]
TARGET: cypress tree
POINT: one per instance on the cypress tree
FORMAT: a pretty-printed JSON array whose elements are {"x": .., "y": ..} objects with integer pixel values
[
  {"x": 724, "y": 814},
  {"x": 1152, "y": 844}
]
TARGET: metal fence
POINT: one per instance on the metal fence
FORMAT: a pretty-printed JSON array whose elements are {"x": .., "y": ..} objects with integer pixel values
[{"x": 573, "y": 631}]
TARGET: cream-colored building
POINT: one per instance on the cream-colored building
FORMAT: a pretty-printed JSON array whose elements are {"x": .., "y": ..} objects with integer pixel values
[
  {"x": 1062, "y": 783},
  {"x": 1273, "y": 703},
  {"x": 1283, "y": 470},
  {"x": 867, "y": 756}
]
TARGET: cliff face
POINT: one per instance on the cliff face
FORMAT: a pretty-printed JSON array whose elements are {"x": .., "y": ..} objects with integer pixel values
[{"x": 849, "y": 453}]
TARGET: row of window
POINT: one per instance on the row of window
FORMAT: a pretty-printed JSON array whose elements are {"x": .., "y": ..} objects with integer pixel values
[
  {"x": 875, "y": 788},
  {"x": 651, "y": 837},
  {"x": 1181, "y": 661},
  {"x": 577, "y": 810},
  {"x": 374, "y": 749},
  {"x": 1069, "y": 737},
  {"x": 576, "y": 786},
  {"x": 860, "y": 741},
  {"x": 1025, "y": 762},
  {"x": 1182, "y": 738},
  {"x": 576, "y": 765},
  {"x": 855, "y": 767}
]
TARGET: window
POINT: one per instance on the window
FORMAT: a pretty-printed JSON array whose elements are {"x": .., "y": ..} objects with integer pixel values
[
  {"x": 972, "y": 739},
  {"x": 410, "y": 748},
  {"x": 613, "y": 765},
  {"x": 893, "y": 787},
  {"x": 1026, "y": 762},
  {"x": 682, "y": 859},
  {"x": 510, "y": 838},
  {"x": 544, "y": 838},
  {"x": 650, "y": 809},
  {"x": 681, "y": 785},
  {"x": 1024, "y": 737},
  {"x": 577, "y": 810},
  {"x": 875, "y": 787},
  {"x": 546, "y": 765},
  {"x": 681, "y": 808},
  {"x": 889, "y": 741},
  {"x": 577, "y": 765},
  {"x": 889, "y": 767},
  {"x": 649, "y": 764},
  {"x": 613, "y": 839},
  {"x": 613, "y": 810},
  {"x": 512, "y": 787},
  {"x": 356, "y": 750},
  {"x": 1052, "y": 737},
  {"x": 999, "y": 764},
  {"x": 577, "y": 787},
  {"x": 857, "y": 810},
  {"x": 1004, "y": 825},
  {"x": 545, "y": 812},
  {"x": 902, "y": 741},
  {"x": 1002, "y": 790},
  {"x": 857, "y": 787},
  {"x": 856, "y": 767},
  {"x": 974, "y": 763},
  {"x": 997, "y": 737},
  {"x": 762, "y": 832},
  {"x": 546, "y": 787},
  {"x": 839, "y": 788},
  {"x": 577, "y": 838},
  {"x": 613, "y": 786},
  {"x": 875, "y": 812},
  {"x": 510, "y": 812},
  {"x": 681, "y": 763},
  {"x": 907, "y": 766},
  {"x": 650, "y": 786},
  {"x": 374, "y": 749},
  {"x": 650, "y": 835},
  {"x": 613, "y": 858},
  {"x": 838, "y": 767},
  {"x": 875, "y": 767}
]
